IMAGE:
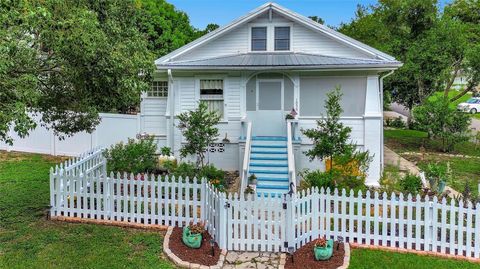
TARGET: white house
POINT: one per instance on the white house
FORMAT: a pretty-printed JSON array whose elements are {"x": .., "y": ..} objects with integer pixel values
[{"x": 254, "y": 71}]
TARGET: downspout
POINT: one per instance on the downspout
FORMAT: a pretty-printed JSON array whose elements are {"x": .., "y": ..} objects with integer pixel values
[
  {"x": 381, "y": 105},
  {"x": 171, "y": 96}
]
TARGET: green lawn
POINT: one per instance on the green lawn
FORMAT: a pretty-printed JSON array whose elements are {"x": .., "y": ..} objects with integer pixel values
[
  {"x": 28, "y": 240},
  {"x": 371, "y": 259},
  {"x": 464, "y": 169}
]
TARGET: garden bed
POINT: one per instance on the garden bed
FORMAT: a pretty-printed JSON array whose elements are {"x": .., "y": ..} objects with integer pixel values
[
  {"x": 202, "y": 255},
  {"x": 304, "y": 258}
]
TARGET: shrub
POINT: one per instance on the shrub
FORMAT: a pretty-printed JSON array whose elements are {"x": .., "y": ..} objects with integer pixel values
[
  {"x": 136, "y": 156},
  {"x": 317, "y": 178},
  {"x": 435, "y": 174},
  {"x": 166, "y": 151},
  {"x": 184, "y": 170},
  {"x": 411, "y": 184},
  {"x": 398, "y": 123},
  {"x": 213, "y": 175}
]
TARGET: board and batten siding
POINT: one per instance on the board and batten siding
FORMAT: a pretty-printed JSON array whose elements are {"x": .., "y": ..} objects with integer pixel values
[
  {"x": 232, "y": 97},
  {"x": 186, "y": 93}
]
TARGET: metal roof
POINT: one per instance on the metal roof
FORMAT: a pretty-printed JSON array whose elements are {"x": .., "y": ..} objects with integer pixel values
[{"x": 275, "y": 60}]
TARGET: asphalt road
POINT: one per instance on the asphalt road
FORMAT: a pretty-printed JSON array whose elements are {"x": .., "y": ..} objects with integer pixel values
[{"x": 404, "y": 111}]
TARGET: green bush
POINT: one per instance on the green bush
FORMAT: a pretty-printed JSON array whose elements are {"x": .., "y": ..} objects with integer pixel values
[
  {"x": 185, "y": 170},
  {"x": 136, "y": 156},
  {"x": 166, "y": 151},
  {"x": 411, "y": 184},
  {"x": 317, "y": 178},
  {"x": 214, "y": 175}
]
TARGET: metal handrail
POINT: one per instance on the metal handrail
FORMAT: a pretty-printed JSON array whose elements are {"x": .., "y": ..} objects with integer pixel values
[
  {"x": 246, "y": 157},
  {"x": 291, "y": 157}
]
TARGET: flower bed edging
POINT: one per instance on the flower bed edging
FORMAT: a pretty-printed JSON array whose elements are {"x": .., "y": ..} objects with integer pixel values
[{"x": 179, "y": 262}]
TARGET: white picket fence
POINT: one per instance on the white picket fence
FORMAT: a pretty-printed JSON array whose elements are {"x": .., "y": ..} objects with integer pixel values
[{"x": 80, "y": 188}]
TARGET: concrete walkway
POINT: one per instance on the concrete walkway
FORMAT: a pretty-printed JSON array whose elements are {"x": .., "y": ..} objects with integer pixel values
[
  {"x": 254, "y": 260},
  {"x": 392, "y": 158}
]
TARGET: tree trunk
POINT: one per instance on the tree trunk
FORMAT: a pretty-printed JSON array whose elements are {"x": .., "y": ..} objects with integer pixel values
[
  {"x": 452, "y": 79},
  {"x": 470, "y": 87}
]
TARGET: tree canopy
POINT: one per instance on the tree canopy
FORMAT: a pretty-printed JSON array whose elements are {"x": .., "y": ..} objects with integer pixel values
[
  {"x": 70, "y": 60},
  {"x": 434, "y": 45}
]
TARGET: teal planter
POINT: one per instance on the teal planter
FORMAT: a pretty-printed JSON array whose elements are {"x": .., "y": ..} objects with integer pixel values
[
  {"x": 324, "y": 253},
  {"x": 441, "y": 186},
  {"x": 191, "y": 240}
]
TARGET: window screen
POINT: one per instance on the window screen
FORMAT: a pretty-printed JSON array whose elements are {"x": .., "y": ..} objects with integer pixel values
[
  {"x": 259, "y": 38},
  {"x": 211, "y": 92},
  {"x": 158, "y": 89},
  {"x": 282, "y": 38},
  {"x": 269, "y": 96}
]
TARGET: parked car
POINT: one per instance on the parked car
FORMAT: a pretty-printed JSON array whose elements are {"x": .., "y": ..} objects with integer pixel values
[{"x": 472, "y": 105}]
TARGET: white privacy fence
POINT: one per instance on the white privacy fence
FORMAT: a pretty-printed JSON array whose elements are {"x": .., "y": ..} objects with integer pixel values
[{"x": 81, "y": 189}]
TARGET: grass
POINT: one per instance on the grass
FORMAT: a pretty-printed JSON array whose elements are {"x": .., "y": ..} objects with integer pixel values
[
  {"x": 465, "y": 170},
  {"x": 371, "y": 259},
  {"x": 28, "y": 240}
]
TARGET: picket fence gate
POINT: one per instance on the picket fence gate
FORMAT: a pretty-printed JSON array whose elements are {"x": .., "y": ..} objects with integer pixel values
[{"x": 81, "y": 188}]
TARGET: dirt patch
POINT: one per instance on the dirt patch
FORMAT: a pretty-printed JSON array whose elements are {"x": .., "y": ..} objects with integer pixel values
[
  {"x": 303, "y": 258},
  {"x": 202, "y": 255},
  {"x": 232, "y": 180}
]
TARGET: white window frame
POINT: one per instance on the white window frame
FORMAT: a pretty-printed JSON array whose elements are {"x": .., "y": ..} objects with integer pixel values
[
  {"x": 199, "y": 95},
  {"x": 147, "y": 93},
  {"x": 270, "y": 37},
  {"x": 289, "y": 38}
]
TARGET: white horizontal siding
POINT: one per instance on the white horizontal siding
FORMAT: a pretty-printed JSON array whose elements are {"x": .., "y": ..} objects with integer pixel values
[
  {"x": 233, "y": 42},
  {"x": 356, "y": 136},
  {"x": 232, "y": 97},
  {"x": 186, "y": 94},
  {"x": 153, "y": 120},
  {"x": 309, "y": 41}
]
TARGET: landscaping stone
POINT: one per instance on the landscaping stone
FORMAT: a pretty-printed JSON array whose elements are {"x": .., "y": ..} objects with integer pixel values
[{"x": 257, "y": 260}]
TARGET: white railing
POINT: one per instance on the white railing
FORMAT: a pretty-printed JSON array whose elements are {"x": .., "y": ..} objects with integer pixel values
[
  {"x": 246, "y": 222},
  {"x": 246, "y": 157},
  {"x": 291, "y": 157}
]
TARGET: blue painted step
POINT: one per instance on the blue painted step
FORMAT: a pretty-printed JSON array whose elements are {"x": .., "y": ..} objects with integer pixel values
[
  {"x": 270, "y": 146},
  {"x": 269, "y": 158},
  {"x": 272, "y": 187},
  {"x": 266, "y": 194},
  {"x": 268, "y": 152},
  {"x": 269, "y": 164},
  {"x": 270, "y": 138},
  {"x": 274, "y": 179},
  {"x": 268, "y": 172}
]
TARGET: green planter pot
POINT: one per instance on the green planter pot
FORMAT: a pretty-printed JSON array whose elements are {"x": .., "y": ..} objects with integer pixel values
[
  {"x": 324, "y": 253},
  {"x": 191, "y": 240},
  {"x": 441, "y": 186}
]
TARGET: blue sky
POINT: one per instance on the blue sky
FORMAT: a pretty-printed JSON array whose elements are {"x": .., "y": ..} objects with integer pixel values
[{"x": 221, "y": 12}]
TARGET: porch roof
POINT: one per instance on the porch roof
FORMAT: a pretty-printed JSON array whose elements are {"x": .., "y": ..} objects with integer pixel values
[{"x": 276, "y": 60}]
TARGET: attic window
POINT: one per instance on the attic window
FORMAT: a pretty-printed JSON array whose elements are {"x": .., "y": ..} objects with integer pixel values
[
  {"x": 259, "y": 38},
  {"x": 282, "y": 38}
]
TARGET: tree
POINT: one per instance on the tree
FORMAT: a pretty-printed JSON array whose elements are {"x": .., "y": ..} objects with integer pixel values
[
  {"x": 317, "y": 19},
  {"x": 69, "y": 60},
  {"x": 441, "y": 121},
  {"x": 433, "y": 46},
  {"x": 199, "y": 129}
]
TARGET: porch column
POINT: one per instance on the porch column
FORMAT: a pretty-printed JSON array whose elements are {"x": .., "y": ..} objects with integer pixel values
[{"x": 373, "y": 129}]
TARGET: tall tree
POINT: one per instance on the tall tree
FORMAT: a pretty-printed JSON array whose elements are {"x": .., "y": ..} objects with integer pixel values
[
  {"x": 69, "y": 60},
  {"x": 432, "y": 46}
]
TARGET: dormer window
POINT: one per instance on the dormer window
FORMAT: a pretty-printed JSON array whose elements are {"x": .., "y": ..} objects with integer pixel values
[
  {"x": 282, "y": 38},
  {"x": 259, "y": 38}
]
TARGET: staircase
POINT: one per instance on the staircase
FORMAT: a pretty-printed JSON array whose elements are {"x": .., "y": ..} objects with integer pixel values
[{"x": 269, "y": 163}]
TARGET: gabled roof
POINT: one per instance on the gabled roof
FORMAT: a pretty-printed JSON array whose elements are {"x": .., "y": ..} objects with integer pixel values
[
  {"x": 300, "y": 19},
  {"x": 275, "y": 60}
]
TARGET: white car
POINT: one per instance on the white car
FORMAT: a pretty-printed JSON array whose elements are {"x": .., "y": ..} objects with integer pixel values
[{"x": 470, "y": 106}]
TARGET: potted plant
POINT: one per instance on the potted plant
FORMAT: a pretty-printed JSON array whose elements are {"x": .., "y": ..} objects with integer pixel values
[
  {"x": 252, "y": 179},
  {"x": 192, "y": 235},
  {"x": 249, "y": 190},
  {"x": 323, "y": 249},
  {"x": 436, "y": 174},
  {"x": 289, "y": 117}
]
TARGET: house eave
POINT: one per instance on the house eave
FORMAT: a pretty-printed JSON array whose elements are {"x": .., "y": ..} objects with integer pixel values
[{"x": 380, "y": 67}]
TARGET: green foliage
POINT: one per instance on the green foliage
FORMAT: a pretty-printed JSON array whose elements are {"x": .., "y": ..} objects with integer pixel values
[
  {"x": 185, "y": 170},
  {"x": 317, "y": 178},
  {"x": 136, "y": 156},
  {"x": 433, "y": 46},
  {"x": 214, "y": 175},
  {"x": 69, "y": 60},
  {"x": 441, "y": 121},
  {"x": 395, "y": 123},
  {"x": 199, "y": 129},
  {"x": 436, "y": 174},
  {"x": 166, "y": 151},
  {"x": 411, "y": 184}
]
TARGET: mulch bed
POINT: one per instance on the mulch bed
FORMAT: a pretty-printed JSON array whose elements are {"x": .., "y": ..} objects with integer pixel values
[
  {"x": 303, "y": 258},
  {"x": 202, "y": 255}
]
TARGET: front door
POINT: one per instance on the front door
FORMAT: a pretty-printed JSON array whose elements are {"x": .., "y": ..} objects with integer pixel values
[{"x": 269, "y": 118}]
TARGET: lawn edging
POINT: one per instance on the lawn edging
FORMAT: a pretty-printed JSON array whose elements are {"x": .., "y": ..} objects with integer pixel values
[
  {"x": 417, "y": 252},
  {"x": 184, "y": 264},
  {"x": 111, "y": 223}
]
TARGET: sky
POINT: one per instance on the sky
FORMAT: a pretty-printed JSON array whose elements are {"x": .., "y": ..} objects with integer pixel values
[{"x": 221, "y": 12}]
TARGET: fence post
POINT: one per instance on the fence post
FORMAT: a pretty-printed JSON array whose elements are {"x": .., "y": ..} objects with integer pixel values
[
  {"x": 223, "y": 206},
  {"x": 53, "y": 208},
  {"x": 288, "y": 204},
  {"x": 428, "y": 225},
  {"x": 203, "y": 199}
]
